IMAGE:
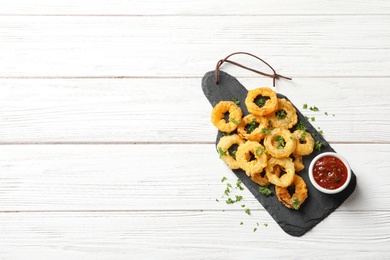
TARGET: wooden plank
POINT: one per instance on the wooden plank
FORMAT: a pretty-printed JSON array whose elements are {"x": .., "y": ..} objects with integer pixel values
[
  {"x": 125, "y": 110},
  {"x": 169, "y": 46},
  {"x": 153, "y": 177},
  {"x": 193, "y": 7},
  {"x": 186, "y": 235}
]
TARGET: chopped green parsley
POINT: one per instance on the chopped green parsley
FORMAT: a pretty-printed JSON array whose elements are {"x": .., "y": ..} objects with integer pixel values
[
  {"x": 234, "y": 121},
  {"x": 318, "y": 145},
  {"x": 265, "y": 131},
  {"x": 281, "y": 141},
  {"x": 221, "y": 152},
  {"x": 281, "y": 114},
  {"x": 236, "y": 101},
  {"x": 296, "y": 203},
  {"x": 265, "y": 190}
]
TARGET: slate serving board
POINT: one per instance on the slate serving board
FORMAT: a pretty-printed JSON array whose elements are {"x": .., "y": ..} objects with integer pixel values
[{"x": 318, "y": 205}]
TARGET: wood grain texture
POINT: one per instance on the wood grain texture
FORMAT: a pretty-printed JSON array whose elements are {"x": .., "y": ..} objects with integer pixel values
[
  {"x": 187, "y": 235},
  {"x": 173, "y": 110},
  {"x": 153, "y": 177},
  {"x": 194, "y": 7},
  {"x": 88, "y": 46},
  {"x": 106, "y": 149}
]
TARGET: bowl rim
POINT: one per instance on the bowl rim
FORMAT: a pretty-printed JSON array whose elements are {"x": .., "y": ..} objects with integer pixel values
[{"x": 316, "y": 185}]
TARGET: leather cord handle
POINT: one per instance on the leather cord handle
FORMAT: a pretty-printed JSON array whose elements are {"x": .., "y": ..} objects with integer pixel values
[{"x": 274, "y": 75}]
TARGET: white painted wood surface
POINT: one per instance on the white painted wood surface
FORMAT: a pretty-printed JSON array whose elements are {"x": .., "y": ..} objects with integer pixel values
[{"x": 107, "y": 150}]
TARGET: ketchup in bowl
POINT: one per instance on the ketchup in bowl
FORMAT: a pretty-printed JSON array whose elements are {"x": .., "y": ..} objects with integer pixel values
[{"x": 329, "y": 172}]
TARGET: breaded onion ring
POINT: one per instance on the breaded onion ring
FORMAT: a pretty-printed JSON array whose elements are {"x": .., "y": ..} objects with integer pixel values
[
  {"x": 262, "y": 179},
  {"x": 252, "y": 133},
  {"x": 305, "y": 142},
  {"x": 285, "y": 116},
  {"x": 243, "y": 157},
  {"x": 218, "y": 116},
  {"x": 287, "y": 165},
  {"x": 299, "y": 196},
  {"x": 270, "y": 105},
  {"x": 223, "y": 147},
  {"x": 298, "y": 163},
  {"x": 280, "y": 143}
]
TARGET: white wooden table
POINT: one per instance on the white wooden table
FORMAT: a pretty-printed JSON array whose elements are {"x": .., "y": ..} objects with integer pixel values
[{"x": 107, "y": 150}]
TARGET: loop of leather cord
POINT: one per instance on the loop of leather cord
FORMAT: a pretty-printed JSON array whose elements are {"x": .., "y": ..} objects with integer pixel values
[{"x": 274, "y": 76}]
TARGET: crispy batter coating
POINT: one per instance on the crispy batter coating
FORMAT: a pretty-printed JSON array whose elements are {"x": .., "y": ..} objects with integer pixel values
[
  {"x": 256, "y": 133},
  {"x": 224, "y": 144},
  {"x": 270, "y": 105},
  {"x": 298, "y": 163},
  {"x": 299, "y": 196},
  {"x": 305, "y": 146},
  {"x": 244, "y": 154},
  {"x": 287, "y": 165},
  {"x": 218, "y": 116},
  {"x": 274, "y": 146},
  {"x": 286, "y": 119}
]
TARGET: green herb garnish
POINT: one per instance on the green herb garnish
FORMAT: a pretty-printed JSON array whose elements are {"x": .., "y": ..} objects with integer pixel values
[
  {"x": 281, "y": 114},
  {"x": 296, "y": 203},
  {"x": 265, "y": 190},
  {"x": 248, "y": 211},
  {"x": 261, "y": 150},
  {"x": 314, "y": 108},
  {"x": 252, "y": 126},
  {"x": 255, "y": 229},
  {"x": 260, "y": 102},
  {"x": 265, "y": 131},
  {"x": 221, "y": 152},
  {"x": 238, "y": 198},
  {"x": 281, "y": 141},
  {"x": 224, "y": 179},
  {"x": 304, "y": 106},
  {"x": 234, "y": 121},
  {"x": 300, "y": 126},
  {"x": 236, "y": 101},
  {"x": 238, "y": 184},
  {"x": 313, "y": 118},
  {"x": 318, "y": 145},
  {"x": 265, "y": 225},
  {"x": 229, "y": 201}
]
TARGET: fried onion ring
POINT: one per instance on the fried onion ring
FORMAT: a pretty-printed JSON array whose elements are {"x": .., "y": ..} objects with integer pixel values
[
  {"x": 252, "y": 134},
  {"x": 287, "y": 165},
  {"x": 223, "y": 146},
  {"x": 305, "y": 145},
  {"x": 270, "y": 105},
  {"x": 262, "y": 179},
  {"x": 298, "y": 163},
  {"x": 299, "y": 196},
  {"x": 285, "y": 116},
  {"x": 218, "y": 116},
  {"x": 243, "y": 157},
  {"x": 274, "y": 143}
]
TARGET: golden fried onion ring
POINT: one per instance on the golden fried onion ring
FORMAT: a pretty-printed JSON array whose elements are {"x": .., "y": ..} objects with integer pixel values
[
  {"x": 284, "y": 120},
  {"x": 218, "y": 116},
  {"x": 287, "y": 165},
  {"x": 305, "y": 145},
  {"x": 275, "y": 148},
  {"x": 270, "y": 105},
  {"x": 299, "y": 196},
  {"x": 262, "y": 179},
  {"x": 224, "y": 144},
  {"x": 243, "y": 157},
  {"x": 298, "y": 163},
  {"x": 256, "y": 134}
]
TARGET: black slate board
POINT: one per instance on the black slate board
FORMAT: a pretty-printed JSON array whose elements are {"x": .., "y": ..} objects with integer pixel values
[{"x": 318, "y": 205}]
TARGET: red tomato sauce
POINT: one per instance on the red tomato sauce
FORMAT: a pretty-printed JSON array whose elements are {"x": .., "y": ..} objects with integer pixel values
[{"x": 330, "y": 172}]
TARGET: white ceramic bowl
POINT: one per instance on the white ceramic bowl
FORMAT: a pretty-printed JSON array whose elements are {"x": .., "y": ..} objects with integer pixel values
[{"x": 316, "y": 185}]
